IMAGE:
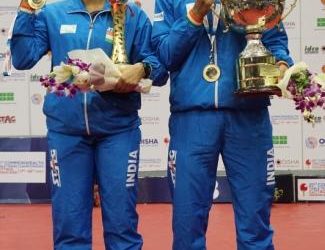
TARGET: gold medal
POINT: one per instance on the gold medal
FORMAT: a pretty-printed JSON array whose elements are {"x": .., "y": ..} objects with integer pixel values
[{"x": 211, "y": 73}]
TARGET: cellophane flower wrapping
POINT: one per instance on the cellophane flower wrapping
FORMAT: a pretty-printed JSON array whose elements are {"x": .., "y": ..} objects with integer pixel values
[
  {"x": 73, "y": 76},
  {"x": 305, "y": 88}
]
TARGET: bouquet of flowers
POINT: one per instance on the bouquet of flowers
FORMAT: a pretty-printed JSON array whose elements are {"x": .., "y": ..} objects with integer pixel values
[
  {"x": 76, "y": 74},
  {"x": 67, "y": 78},
  {"x": 306, "y": 89}
]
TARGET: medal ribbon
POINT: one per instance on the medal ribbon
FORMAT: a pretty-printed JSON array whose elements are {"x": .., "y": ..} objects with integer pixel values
[{"x": 211, "y": 29}]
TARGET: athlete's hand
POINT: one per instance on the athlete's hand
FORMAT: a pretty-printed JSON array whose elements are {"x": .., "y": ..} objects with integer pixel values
[
  {"x": 24, "y": 4},
  {"x": 283, "y": 67},
  {"x": 130, "y": 77},
  {"x": 137, "y": 2},
  {"x": 202, "y": 7},
  {"x": 102, "y": 78}
]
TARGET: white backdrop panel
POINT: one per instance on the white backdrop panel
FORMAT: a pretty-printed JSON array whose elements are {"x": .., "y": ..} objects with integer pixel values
[
  {"x": 297, "y": 144},
  {"x": 287, "y": 134}
]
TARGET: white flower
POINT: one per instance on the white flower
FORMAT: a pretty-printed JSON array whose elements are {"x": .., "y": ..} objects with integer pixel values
[
  {"x": 320, "y": 79},
  {"x": 298, "y": 67},
  {"x": 64, "y": 72},
  {"x": 82, "y": 80}
]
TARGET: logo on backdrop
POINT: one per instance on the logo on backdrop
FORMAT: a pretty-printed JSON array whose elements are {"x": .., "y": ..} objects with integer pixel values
[
  {"x": 278, "y": 193},
  {"x": 7, "y": 97},
  {"x": 311, "y": 49},
  {"x": 280, "y": 139},
  {"x": 152, "y": 96},
  {"x": 311, "y": 142},
  {"x": 35, "y": 77},
  {"x": 55, "y": 169},
  {"x": 312, "y": 189},
  {"x": 16, "y": 76},
  {"x": 7, "y": 119},
  {"x": 166, "y": 140},
  {"x": 149, "y": 142},
  {"x": 315, "y": 163},
  {"x": 37, "y": 99},
  {"x": 289, "y": 25},
  {"x": 308, "y": 162},
  {"x": 150, "y": 120},
  {"x": 303, "y": 188},
  {"x": 287, "y": 163},
  {"x": 320, "y": 22},
  {"x": 285, "y": 119}
]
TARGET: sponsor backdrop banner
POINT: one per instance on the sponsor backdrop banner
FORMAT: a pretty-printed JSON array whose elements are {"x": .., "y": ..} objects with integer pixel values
[
  {"x": 287, "y": 134},
  {"x": 310, "y": 188},
  {"x": 298, "y": 145},
  {"x": 22, "y": 167}
]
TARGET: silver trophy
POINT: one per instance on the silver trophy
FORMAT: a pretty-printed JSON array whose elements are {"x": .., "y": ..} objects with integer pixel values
[{"x": 256, "y": 67}]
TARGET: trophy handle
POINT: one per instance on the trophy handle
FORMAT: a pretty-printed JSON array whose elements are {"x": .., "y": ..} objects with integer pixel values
[
  {"x": 220, "y": 16},
  {"x": 292, "y": 6}
]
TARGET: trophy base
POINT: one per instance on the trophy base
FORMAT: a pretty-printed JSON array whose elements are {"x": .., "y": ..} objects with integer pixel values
[
  {"x": 257, "y": 72},
  {"x": 259, "y": 91}
]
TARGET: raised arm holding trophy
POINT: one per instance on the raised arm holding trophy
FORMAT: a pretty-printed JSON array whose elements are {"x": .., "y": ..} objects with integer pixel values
[
  {"x": 200, "y": 43},
  {"x": 94, "y": 134},
  {"x": 258, "y": 72}
]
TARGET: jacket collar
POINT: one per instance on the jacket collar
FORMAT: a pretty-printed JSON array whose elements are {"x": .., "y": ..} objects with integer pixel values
[{"x": 79, "y": 6}]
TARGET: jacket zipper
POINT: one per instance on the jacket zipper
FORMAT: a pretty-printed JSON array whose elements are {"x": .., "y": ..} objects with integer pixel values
[
  {"x": 216, "y": 88},
  {"x": 91, "y": 27}
]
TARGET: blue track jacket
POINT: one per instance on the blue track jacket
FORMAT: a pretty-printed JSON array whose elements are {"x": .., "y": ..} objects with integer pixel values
[
  {"x": 185, "y": 48},
  {"x": 66, "y": 25}
]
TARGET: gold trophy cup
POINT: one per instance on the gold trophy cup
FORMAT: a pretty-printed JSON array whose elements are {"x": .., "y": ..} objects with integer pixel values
[{"x": 257, "y": 71}]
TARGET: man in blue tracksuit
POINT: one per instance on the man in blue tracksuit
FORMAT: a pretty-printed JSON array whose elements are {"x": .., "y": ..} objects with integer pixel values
[
  {"x": 94, "y": 134},
  {"x": 208, "y": 119}
]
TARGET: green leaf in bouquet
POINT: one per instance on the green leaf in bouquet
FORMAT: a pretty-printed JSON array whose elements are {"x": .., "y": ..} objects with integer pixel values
[{"x": 301, "y": 79}]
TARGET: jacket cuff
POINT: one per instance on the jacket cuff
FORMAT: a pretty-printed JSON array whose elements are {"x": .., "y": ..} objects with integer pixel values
[
  {"x": 284, "y": 60},
  {"x": 193, "y": 18}
]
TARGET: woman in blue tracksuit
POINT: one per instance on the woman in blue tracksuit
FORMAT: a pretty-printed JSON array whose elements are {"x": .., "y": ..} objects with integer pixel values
[
  {"x": 208, "y": 119},
  {"x": 91, "y": 134}
]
